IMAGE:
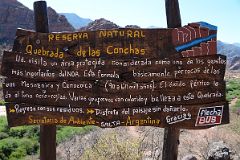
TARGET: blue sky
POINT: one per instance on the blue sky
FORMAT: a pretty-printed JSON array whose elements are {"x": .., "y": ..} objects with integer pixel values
[{"x": 222, "y": 13}]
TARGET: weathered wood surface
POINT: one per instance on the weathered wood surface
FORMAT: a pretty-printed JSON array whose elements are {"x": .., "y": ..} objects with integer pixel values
[
  {"x": 104, "y": 94},
  {"x": 24, "y": 88},
  {"x": 127, "y": 43},
  {"x": 190, "y": 40},
  {"x": 184, "y": 116},
  {"x": 171, "y": 135},
  {"x": 15, "y": 65},
  {"x": 173, "y": 14},
  {"x": 47, "y": 132}
]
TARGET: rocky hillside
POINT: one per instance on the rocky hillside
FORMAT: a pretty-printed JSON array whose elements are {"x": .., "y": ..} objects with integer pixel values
[
  {"x": 235, "y": 63},
  {"x": 99, "y": 24},
  {"x": 76, "y": 21},
  {"x": 15, "y": 15},
  {"x": 232, "y": 51}
]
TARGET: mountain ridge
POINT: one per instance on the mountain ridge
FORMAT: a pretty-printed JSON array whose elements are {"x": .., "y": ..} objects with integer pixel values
[
  {"x": 14, "y": 14},
  {"x": 236, "y": 44},
  {"x": 232, "y": 52},
  {"x": 76, "y": 21},
  {"x": 99, "y": 24}
]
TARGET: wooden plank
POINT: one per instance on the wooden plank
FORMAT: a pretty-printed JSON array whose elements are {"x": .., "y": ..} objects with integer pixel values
[
  {"x": 107, "y": 93},
  {"x": 47, "y": 132},
  {"x": 173, "y": 14},
  {"x": 117, "y": 43},
  {"x": 16, "y": 65},
  {"x": 171, "y": 135},
  {"x": 177, "y": 116}
]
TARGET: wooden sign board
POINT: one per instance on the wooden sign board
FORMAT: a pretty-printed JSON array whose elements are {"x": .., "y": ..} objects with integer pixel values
[
  {"x": 117, "y": 43},
  {"x": 180, "y": 116},
  {"x": 110, "y": 78},
  {"x": 138, "y": 69}
]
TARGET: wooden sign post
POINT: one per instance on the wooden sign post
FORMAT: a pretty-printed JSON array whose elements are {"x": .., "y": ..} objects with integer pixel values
[
  {"x": 170, "y": 78},
  {"x": 47, "y": 132},
  {"x": 171, "y": 135}
]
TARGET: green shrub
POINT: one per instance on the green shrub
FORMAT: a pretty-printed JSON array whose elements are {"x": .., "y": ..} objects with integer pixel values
[
  {"x": 14, "y": 148},
  {"x": 30, "y": 146},
  {"x": 2, "y": 102},
  {"x": 3, "y": 156},
  {"x": 33, "y": 132},
  {"x": 3, "y": 124},
  {"x": 237, "y": 103},
  {"x": 64, "y": 133},
  {"x": 18, "y": 142},
  {"x": 3, "y": 135},
  {"x": 25, "y": 131},
  {"x": 18, "y": 132},
  {"x": 19, "y": 153},
  {"x": 233, "y": 89},
  {"x": 8, "y": 146}
]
